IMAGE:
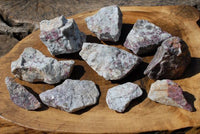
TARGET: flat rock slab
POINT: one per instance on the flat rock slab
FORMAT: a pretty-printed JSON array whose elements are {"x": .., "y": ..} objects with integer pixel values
[
  {"x": 21, "y": 96},
  {"x": 169, "y": 93},
  {"x": 61, "y": 36},
  {"x": 145, "y": 37},
  {"x": 170, "y": 60},
  {"x": 106, "y": 23},
  {"x": 119, "y": 97},
  {"x": 71, "y": 95},
  {"x": 33, "y": 66},
  {"x": 109, "y": 62}
]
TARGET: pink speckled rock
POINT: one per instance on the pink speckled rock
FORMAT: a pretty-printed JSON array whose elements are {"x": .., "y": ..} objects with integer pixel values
[
  {"x": 145, "y": 37},
  {"x": 110, "y": 62},
  {"x": 106, "y": 23},
  {"x": 61, "y": 36},
  {"x": 71, "y": 95},
  {"x": 33, "y": 66},
  {"x": 169, "y": 93},
  {"x": 170, "y": 60},
  {"x": 21, "y": 96}
]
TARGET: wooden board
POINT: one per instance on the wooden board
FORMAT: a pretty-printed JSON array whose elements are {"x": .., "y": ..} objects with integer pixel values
[{"x": 142, "y": 114}]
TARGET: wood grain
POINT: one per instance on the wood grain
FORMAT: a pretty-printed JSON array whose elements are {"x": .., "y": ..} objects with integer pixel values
[{"x": 142, "y": 115}]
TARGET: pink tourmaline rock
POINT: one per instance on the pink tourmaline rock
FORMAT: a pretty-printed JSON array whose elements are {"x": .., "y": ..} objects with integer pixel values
[
  {"x": 110, "y": 62},
  {"x": 71, "y": 95},
  {"x": 170, "y": 60},
  {"x": 106, "y": 23},
  {"x": 21, "y": 96},
  {"x": 33, "y": 66},
  {"x": 119, "y": 97},
  {"x": 145, "y": 37},
  {"x": 61, "y": 36},
  {"x": 169, "y": 93}
]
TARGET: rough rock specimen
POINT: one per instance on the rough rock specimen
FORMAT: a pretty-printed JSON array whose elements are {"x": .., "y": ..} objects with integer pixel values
[
  {"x": 145, "y": 37},
  {"x": 119, "y": 97},
  {"x": 170, "y": 60},
  {"x": 21, "y": 96},
  {"x": 110, "y": 62},
  {"x": 169, "y": 93},
  {"x": 71, "y": 95},
  {"x": 61, "y": 36},
  {"x": 33, "y": 66},
  {"x": 106, "y": 23}
]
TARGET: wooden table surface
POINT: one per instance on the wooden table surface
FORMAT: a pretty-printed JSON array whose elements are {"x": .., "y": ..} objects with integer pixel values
[{"x": 7, "y": 127}]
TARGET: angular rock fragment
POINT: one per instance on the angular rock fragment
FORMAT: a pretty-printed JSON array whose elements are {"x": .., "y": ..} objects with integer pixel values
[
  {"x": 33, "y": 66},
  {"x": 21, "y": 96},
  {"x": 170, "y": 60},
  {"x": 106, "y": 23},
  {"x": 169, "y": 93},
  {"x": 119, "y": 97},
  {"x": 145, "y": 37},
  {"x": 61, "y": 36},
  {"x": 110, "y": 62},
  {"x": 71, "y": 95}
]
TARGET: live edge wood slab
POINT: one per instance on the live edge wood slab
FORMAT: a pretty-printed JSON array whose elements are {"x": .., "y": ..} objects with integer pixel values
[{"x": 142, "y": 115}]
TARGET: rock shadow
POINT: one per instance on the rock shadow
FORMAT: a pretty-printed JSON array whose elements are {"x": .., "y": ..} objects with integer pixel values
[
  {"x": 89, "y": 107},
  {"x": 152, "y": 53},
  {"x": 92, "y": 39},
  {"x": 136, "y": 101},
  {"x": 126, "y": 28},
  {"x": 198, "y": 22},
  {"x": 43, "y": 106},
  {"x": 192, "y": 69},
  {"x": 190, "y": 99},
  {"x": 69, "y": 56},
  {"x": 134, "y": 75},
  {"x": 77, "y": 72}
]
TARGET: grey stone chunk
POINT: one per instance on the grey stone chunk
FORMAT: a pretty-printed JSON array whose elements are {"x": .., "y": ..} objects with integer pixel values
[
  {"x": 106, "y": 23},
  {"x": 145, "y": 37},
  {"x": 61, "y": 36},
  {"x": 170, "y": 60},
  {"x": 33, "y": 66},
  {"x": 119, "y": 97},
  {"x": 21, "y": 96},
  {"x": 71, "y": 95},
  {"x": 169, "y": 93},
  {"x": 110, "y": 62}
]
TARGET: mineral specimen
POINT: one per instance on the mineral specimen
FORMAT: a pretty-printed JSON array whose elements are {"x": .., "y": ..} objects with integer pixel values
[
  {"x": 110, "y": 62},
  {"x": 61, "y": 36},
  {"x": 170, "y": 60},
  {"x": 33, "y": 66},
  {"x": 169, "y": 93},
  {"x": 106, "y": 23},
  {"x": 21, "y": 96},
  {"x": 119, "y": 97},
  {"x": 145, "y": 37},
  {"x": 71, "y": 95}
]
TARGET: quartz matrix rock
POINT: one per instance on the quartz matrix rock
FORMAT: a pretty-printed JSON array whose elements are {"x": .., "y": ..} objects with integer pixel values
[
  {"x": 110, "y": 62},
  {"x": 169, "y": 93},
  {"x": 21, "y": 96},
  {"x": 71, "y": 95},
  {"x": 33, "y": 66},
  {"x": 145, "y": 37},
  {"x": 170, "y": 60},
  {"x": 61, "y": 36},
  {"x": 119, "y": 97},
  {"x": 106, "y": 23}
]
